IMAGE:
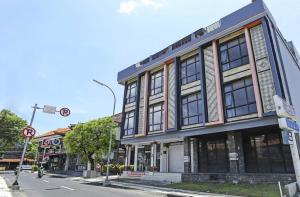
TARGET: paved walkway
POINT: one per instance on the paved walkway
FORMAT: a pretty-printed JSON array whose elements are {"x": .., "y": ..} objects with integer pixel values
[{"x": 4, "y": 190}]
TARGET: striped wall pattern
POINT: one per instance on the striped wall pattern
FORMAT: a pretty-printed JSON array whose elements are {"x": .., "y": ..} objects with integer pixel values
[
  {"x": 171, "y": 96},
  {"x": 212, "y": 103},
  {"x": 141, "y": 108},
  {"x": 263, "y": 68}
]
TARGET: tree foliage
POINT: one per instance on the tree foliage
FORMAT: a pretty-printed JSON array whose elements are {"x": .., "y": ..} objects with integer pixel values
[
  {"x": 90, "y": 139},
  {"x": 10, "y": 129}
]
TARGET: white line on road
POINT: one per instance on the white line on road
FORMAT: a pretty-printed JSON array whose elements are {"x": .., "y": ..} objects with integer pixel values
[
  {"x": 46, "y": 181},
  {"x": 67, "y": 188}
]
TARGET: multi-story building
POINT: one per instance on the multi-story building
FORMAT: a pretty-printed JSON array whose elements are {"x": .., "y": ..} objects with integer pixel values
[{"x": 203, "y": 107}]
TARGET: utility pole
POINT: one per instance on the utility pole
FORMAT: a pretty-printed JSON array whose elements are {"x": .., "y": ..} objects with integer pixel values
[{"x": 16, "y": 184}]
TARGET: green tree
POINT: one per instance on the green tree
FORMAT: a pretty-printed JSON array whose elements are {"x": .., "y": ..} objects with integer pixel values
[
  {"x": 10, "y": 129},
  {"x": 32, "y": 149},
  {"x": 90, "y": 139}
]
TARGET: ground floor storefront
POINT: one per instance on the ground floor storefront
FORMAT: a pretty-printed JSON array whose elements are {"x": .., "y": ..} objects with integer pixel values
[{"x": 245, "y": 155}]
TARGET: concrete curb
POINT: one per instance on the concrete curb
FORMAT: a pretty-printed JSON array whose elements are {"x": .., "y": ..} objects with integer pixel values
[{"x": 168, "y": 191}]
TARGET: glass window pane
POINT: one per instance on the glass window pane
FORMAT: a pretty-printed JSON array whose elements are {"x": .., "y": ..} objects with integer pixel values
[
  {"x": 248, "y": 81},
  {"x": 234, "y": 53},
  {"x": 190, "y": 61},
  {"x": 236, "y": 63},
  {"x": 250, "y": 94},
  {"x": 240, "y": 111},
  {"x": 184, "y": 111},
  {"x": 184, "y": 81},
  {"x": 225, "y": 67},
  {"x": 245, "y": 60},
  {"x": 238, "y": 84},
  {"x": 252, "y": 108},
  {"x": 230, "y": 113},
  {"x": 228, "y": 88},
  {"x": 233, "y": 43},
  {"x": 223, "y": 47},
  {"x": 193, "y": 110},
  {"x": 183, "y": 72},
  {"x": 191, "y": 69},
  {"x": 224, "y": 57},
  {"x": 193, "y": 120},
  {"x": 229, "y": 100},
  {"x": 244, "y": 49},
  {"x": 191, "y": 79},
  {"x": 185, "y": 121},
  {"x": 240, "y": 97}
]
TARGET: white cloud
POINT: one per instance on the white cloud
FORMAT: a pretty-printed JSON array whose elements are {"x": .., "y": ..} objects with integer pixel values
[
  {"x": 127, "y": 7},
  {"x": 156, "y": 4}
]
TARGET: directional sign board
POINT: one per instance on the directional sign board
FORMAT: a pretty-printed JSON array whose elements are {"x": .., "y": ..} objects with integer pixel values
[
  {"x": 288, "y": 124},
  {"x": 55, "y": 142},
  {"x": 283, "y": 109},
  {"x": 28, "y": 132},
  {"x": 49, "y": 109},
  {"x": 46, "y": 143},
  {"x": 64, "y": 111},
  {"x": 287, "y": 137}
]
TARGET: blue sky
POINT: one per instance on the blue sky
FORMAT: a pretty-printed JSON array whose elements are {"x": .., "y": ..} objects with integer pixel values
[{"x": 51, "y": 50}]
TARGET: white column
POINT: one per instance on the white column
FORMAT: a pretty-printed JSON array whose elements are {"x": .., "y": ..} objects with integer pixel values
[
  {"x": 295, "y": 157},
  {"x": 153, "y": 155},
  {"x": 126, "y": 157},
  {"x": 129, "y": 156},
  {"x": 135, "y": 157},
  {"x": 161, "y": 157},
  {"x": 67, "y": 163},
  {"x": 192, "y": 155}
]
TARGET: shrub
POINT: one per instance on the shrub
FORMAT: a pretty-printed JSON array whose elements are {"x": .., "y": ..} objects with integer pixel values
[{"x": 34, "y": 168}]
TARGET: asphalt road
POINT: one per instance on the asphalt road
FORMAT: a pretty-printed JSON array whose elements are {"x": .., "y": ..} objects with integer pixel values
[{"x": 48, "y": 186}]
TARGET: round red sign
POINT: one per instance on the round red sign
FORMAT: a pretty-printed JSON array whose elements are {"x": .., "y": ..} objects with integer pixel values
[
  {"x": 64, "y": 111},
  {"x": 28, "y": 132}
]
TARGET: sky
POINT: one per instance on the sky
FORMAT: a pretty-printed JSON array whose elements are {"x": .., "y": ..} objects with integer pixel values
[{"x": 51, "y": 50}]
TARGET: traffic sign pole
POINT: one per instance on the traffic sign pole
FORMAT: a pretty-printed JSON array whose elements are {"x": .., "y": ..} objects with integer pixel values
[{"x": 16, "y": 184}]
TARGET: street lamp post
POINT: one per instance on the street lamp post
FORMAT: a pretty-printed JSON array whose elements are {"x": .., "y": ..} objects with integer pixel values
[{"x": 106, "y": 182}]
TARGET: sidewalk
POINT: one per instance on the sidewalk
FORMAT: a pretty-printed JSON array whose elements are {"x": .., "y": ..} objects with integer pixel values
[
  {"x": 149, "y": 186},
  {"x": 4, "y": 190}
]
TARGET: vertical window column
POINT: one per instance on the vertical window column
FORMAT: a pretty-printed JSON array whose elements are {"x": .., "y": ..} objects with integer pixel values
[
  {"x": 254, "y": 74},
  {"x": 146, "y": 99}
]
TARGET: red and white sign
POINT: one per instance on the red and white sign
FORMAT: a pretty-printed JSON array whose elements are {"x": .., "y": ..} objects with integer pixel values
[
  {"x": 28, "y": 132},
  {"x": 64, "y": 111},
  {"x": 46, "y": 143}
]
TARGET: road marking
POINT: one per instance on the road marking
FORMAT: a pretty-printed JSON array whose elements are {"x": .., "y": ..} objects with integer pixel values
[
  {"x": 67, "y": 188},
  {"x": 46, "y": 181}
]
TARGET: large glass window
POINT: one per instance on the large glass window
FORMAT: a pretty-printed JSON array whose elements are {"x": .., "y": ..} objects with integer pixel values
[
  {"x": 131, "y": 93},
  {"x": 234, "y": 53},
  {"x": 129, "y": 123},
  {"x": 213, "y": 154},
  {"x": 157, "y": 81},
  {"x": 264, "y": 152},
  {"x": 239, "y": 98},
  {"x": 190, "y": 70},
  {"x": 191, "y": 109},
  {"x": 156, "y": 117}
]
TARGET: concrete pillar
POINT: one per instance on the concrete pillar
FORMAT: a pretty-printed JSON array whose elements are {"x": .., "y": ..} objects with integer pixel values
[
  {"x": 195, "y": 155},
  {"x": 66, "y": 168},
  {"x": 135, "y": 157},
  {"x": 164, "y": 158},
  {"x": 233, "y": 153},
  {"x": 240, "y": 151},
  {"x": 187, "y": 155},
  {"x": 127, "y": 157},
  {"x": 153, "y": 155}
]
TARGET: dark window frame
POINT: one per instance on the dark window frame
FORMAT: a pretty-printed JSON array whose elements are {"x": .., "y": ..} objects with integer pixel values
[
  {"x": 184, "y": 65},
  {"x": 151, "y": 117},
  {"x": 154, "y": 89},
  {"x": 199, "y": 115},
  {"x": 225, "y": 47},
  {"x": 248, "y": 90},
  {"x": 130, "y": 93},
  {"x": 129, "y": 116},
  {"x": 254, "y": 162}
]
